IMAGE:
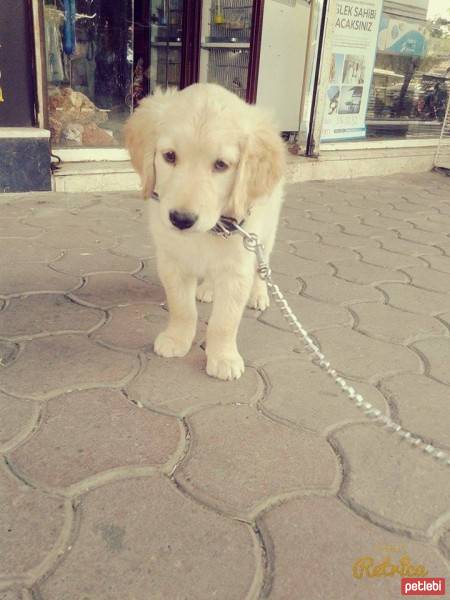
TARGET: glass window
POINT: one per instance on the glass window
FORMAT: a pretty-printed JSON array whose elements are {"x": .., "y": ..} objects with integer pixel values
[
  {"x": 411, "y": 77},
  {"x": 89, "y": 55},
  {"x": 166, "y": 43},
  {"x": 225, "y": 44},
  {"x": 389, "y": 70}
]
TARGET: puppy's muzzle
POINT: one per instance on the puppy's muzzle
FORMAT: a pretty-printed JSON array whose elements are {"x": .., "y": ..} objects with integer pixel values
[{"x": 182, "y": 220}]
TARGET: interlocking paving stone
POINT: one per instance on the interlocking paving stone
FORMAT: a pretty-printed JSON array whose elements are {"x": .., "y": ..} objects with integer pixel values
[
  {"x": 389, "y": 478},
  {"x": 317, "y": 541},
  {"x": 322, "y": 253},
  {"x": 25, "y": 510},
  {"x": 119, "y": 225},
  {"x": 64, "y": 362},
  {"x": 386, "y": 259},
  {"x": 437, "y": 353},
  {"x": 84, "y": 433},
  {"x": 345, "y": 240},
  {"x": 149, "y": 271},
  {"x": 79, "y": 262},
  {"x": 339, "y": 291},
  {"x": 439, "y": 263},
  {"x": 259, "y": 342},
  {"x": 403, "y": 246},
  {"x": 8, "y": 353},
  {"x": 24, "y": 250},
  {"x": 422, "y": 223},
  {"x": 422, "y": 237},
  {"x": 11, "y": 228},
  {"x": 360, "y": 356},
  {"x": 377, "y": 221},
  {"x": 130, "y": 200},
  {"x": 446, "y": 319},
  {"x": 355, "y": 227},
  {"x": 134, "y": 326},
  {"x": 311, "y": 313},
  {"x": 445, "y": 545},
  {"x": 180, "y": 385},
  {"x": 107, "y": 233},
  {"x": 241, "y": 458},
  {"x": 363, "y": 273},
  {"x": 393, "y": 325},
  {"x": 22, "y": 278},
  {"x": 288, "y": 283},
  {"x": 77, "y": 237},
  {"x": 134, "y": 246},
  {"x": 15, "y": 416},
  {"x": 297, "y": 220},
  {"x": 429, "y": 279},
  {"x": 142, "y": 538},
  {"x": 45, "y": 313},
  {"x": 302, "y": 393},
  {"x": 441, "y": 219},
  {"x": 417, "y": 300},
  {"x": 422, "y": 404},
  {"x": 445, "y": 245},
  {"x": 117, "y": 289},
  {"x": 289, "y": 264},
  {"x": 284, "y": 234},
  {"x": 11, "y": 595}
]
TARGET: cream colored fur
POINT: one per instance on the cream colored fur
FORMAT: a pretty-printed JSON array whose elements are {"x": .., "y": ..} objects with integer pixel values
[{"x": 202, "y": 124}]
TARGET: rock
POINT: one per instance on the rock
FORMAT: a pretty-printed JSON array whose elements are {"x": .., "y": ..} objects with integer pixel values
[{"x": 93, "y": 135}]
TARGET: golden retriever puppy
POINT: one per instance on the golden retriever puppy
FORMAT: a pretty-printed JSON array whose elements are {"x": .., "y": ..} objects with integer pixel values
[{"x": 207, "y": 154}]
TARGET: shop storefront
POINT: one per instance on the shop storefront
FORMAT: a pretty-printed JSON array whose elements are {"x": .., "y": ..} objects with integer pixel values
[
  {"x": 344, "y": 78},
  {"x": 102, "y": 57},
  {"x": 382, "y": 75}
]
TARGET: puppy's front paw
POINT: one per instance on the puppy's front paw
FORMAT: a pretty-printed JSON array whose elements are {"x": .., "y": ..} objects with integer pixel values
[
  {"x": 205, "y": 292},
  {"x": 259, "y": 300},
  {"x": 169, "y": 346},
  {"x": 225, "y": 367}
]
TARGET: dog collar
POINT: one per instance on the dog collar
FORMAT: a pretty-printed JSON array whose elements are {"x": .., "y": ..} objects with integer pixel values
[{"x": 225, "y": 226}]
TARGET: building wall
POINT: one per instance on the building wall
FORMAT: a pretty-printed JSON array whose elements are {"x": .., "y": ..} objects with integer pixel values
[{"x": 16, "y": 64}]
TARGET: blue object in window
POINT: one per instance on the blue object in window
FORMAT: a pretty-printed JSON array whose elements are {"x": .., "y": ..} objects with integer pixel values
[{"x": 69, "y": 27}]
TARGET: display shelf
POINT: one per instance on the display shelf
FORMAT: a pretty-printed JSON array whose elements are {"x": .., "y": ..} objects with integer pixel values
[
  {"x": 229, "y": 45},
  {"x": 166, "y": 44}
]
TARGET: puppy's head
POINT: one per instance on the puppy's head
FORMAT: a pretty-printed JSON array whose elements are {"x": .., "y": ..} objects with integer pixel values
[{"x": 205, "y": 152}]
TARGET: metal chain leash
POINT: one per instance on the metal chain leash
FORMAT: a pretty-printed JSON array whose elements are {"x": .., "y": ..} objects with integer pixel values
[{"x": 252, "y": 244}]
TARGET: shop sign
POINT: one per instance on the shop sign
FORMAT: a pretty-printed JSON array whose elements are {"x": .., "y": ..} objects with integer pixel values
[
  {"x": 401, "y": 37},
  {"x": 353, "y": 58}
]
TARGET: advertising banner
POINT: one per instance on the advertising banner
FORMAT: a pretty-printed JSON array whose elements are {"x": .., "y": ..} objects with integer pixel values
[
  {"x": 397, "y": 36},
  {"x": 352, "y": 61}
]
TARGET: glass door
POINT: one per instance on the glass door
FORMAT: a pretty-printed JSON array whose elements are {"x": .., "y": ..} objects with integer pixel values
[
  {"x": 89, "y": 64},
  {"x": 166, "y": 40},
  {"x": 227, "y": 37}
]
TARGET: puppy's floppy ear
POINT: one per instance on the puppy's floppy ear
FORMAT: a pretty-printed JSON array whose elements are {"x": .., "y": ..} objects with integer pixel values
[
  {"x": 141, "y": 133},
  {"x": 261, "y": 166}
]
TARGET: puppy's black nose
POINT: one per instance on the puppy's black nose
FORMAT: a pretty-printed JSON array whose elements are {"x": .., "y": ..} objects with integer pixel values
[{"x": 182, "y": 220}]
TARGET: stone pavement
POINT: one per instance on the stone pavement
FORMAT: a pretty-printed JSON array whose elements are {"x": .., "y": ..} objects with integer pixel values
[{"x": 125, "y": 476}]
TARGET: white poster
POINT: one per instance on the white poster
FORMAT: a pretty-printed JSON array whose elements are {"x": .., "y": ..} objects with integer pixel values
[{"x": 353, "y": 57}]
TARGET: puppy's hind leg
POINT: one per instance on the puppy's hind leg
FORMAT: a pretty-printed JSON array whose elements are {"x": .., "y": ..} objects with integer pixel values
[
  {"x": 205, "y": 291},
  {"x": 176, "y": 339},
  {"x": 259, "y": 296}
]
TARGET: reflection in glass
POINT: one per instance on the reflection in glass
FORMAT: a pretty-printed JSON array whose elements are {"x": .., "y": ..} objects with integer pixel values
[
  {"x": 89, "y": 55},
  {"x": 226, "y": 32}
]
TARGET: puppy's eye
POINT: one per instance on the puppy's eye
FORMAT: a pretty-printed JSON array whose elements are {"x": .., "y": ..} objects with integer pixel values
[
  {"x": 220, "y": 165},
  {"x": 170, "y": 157}
]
